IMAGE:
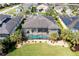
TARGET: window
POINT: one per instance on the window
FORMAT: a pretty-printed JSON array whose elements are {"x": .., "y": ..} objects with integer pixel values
[
  {"x": 0, "y": 25},
  {"x": 40, "y": 10},
  {"x": 7, "y": 20},
  {"x": 34, "y": 30},
  {"x": 3, "y": 35},
  {"x": 42, "y": 30}
]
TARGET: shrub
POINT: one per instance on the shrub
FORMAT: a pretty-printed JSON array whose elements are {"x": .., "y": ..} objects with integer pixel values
[{"x": 54, "y": 36}]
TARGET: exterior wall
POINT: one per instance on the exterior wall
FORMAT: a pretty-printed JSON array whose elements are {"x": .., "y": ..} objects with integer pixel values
[
  {"x": 30, "y": 31},
  {"x": 3, "y": 36},
  {"x": 39, "y": 33}
]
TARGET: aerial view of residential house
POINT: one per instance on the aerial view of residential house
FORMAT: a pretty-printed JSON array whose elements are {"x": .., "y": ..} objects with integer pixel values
[
  {"x": 39, "y": 27},
  {"x": 8, "y": 25}
]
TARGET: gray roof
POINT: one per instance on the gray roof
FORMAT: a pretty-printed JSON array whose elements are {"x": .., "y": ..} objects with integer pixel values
[
  {"x": 38, "y": 21},
  {"x": 3, "y": 17},
  {"x": 10, "y": 26},
  {"x": 3, "y": 29},
  {"x": 71, "y": 22}
]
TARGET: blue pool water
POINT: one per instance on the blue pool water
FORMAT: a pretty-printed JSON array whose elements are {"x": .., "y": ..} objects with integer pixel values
[{"x": 37, "y": 37}]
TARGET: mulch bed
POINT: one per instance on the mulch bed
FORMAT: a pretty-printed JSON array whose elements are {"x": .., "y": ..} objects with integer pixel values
[{"x": 76, "y": 48}]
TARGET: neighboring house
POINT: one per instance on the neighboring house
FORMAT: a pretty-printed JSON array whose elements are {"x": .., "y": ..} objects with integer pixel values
[
  {"x": 71, "y": 22},
  {"x": 8, "y": 25},
  {"x": 42, "y": 7},
  {"x": 28, "y": 5},
  {"x": 39, "y": 27},
  {"x": 69, "y": 12},
  {"x": 59, "y": 9}
]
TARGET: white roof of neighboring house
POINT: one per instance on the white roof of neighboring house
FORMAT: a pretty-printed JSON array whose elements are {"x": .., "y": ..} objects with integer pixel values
[{"x": 42, "y": 6}]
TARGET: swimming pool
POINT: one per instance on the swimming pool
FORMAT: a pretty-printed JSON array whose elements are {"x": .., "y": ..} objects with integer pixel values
[{"x": 37, "y": 37}]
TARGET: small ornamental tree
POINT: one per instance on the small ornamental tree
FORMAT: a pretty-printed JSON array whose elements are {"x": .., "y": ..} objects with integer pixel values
[
  {"x": 54, "y": 36},
  {"x": 6, "y": 45},
  {"x": 66, "y": 35},
  {"x": 27, "y": 12},
  {"x": 75, "y": 40},
  {"x": 33, "y": 9},
  {"x": 16, "y": 37}
]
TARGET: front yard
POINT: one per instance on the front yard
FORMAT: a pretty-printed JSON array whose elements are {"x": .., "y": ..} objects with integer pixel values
[{"x": 42, "y": 49}]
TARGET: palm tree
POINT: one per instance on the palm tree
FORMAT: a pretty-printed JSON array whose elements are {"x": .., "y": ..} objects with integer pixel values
[
  {"x": 1, "y": 46},
  {"x": 6, "y": 45},
  {"x": 64, "y": 11},
  {"x": 52, "y": 12},
  {"x": 33, "y": 9},
  {"x": 66, "y": 35},
  {"x": 16, "y": 37},
  {"x": 75, "y": 40},
  {"x": 63, "y": 35}
]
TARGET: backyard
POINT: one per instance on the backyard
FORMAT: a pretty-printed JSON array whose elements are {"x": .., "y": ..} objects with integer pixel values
[{"x": 42, "y": 49}]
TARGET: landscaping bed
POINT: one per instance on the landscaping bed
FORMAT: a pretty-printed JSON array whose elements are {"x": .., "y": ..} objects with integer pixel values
[{"x": 42, "y": 49}]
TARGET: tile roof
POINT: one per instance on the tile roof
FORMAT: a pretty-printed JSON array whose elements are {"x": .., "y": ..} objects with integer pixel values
[
  {"x": 10, "y": 26},
  {"x": 13, "y": 23},
  {"x": 38, "y": 21},
  {"x": 3, "y": 17},
  {"x": 71, "y": 22}
]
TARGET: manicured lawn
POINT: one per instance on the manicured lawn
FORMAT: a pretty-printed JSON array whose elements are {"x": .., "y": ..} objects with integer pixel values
[
  {"x": 11, "y": 11},
  {"x": 42, "y": 49},
  {"x": 5, "y": 8}
]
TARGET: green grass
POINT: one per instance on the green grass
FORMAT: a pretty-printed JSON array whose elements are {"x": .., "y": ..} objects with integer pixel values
[
  {"x": 4, "y": 8},
  {"x": 42, "y": 49},
  {"x": 11, "y": 11}
]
